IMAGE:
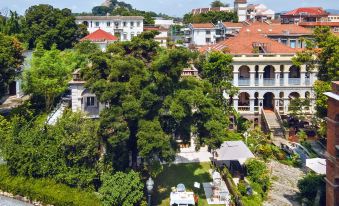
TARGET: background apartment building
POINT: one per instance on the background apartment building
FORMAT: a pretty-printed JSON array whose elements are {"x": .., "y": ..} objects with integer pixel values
[{"x": 124, "y": 27}]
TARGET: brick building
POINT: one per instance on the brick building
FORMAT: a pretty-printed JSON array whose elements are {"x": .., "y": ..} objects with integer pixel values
[{"x": 332, "y": 154}]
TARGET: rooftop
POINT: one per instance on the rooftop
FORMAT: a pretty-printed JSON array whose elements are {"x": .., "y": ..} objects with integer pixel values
[
  {"x": 100, "y": 36},
  {"x": 203, "y": 26},
  {"x": 328, "y": 23},
  {"x": 109, "y": 17},
  {"x": 232, "y": 24},
  {"x": 307, "y": 11}
]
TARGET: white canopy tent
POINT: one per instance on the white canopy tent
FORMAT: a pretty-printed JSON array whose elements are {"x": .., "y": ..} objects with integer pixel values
[
  {"x": 318, "y": 165},
  {"x": 233, "y": 151}
]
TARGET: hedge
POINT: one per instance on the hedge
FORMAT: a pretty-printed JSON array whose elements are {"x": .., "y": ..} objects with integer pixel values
[{"x": 46, "y": 190}]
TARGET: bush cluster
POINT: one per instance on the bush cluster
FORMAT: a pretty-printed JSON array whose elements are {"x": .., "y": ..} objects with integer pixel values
[{"x": 45, "y": 190}]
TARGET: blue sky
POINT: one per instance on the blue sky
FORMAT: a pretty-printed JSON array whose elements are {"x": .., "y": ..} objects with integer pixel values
[{"x": 171, "y": 7}]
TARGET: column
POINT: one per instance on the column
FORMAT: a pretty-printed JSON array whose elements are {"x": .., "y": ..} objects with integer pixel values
[
  {"x": 261, "y": 75},
  {"x": 252, "y": 75},
  {"x": 286, "y": 73},
  {"x": 235, "y": 75},
  {"x": 252, "y": 105},
  {"x": 276, "y": 104},
  {"x": 286, "y": 103},
  {"x": 277, "y": 74},
  {"x": 235, "y": 103},
  {"x": 261, "y": 103},
  {"x": 302, "y": 75}
]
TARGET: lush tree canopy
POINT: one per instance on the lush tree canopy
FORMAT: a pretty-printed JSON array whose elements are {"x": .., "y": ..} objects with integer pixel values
[
  {"x": 149, "y": 103},
  {"x": 67, "y": 152},
  {"x": 10, "y": 59},
  {"x": 121, "y": 189},
  {"x": 211, "y": 17},
  {"x": 49, "y": 25},
  {"x": 323, "y": 53},
  {"x": 49, "y": 73},
  {"x": 217, "y": 3}
]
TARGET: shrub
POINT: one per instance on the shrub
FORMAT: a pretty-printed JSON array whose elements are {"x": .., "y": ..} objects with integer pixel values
[{"x": 45, "y": 190}]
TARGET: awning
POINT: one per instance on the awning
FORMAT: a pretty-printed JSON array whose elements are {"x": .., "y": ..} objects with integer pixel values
[
  {"x": 318, "y": 165},
  {"x": 182, "y": 198},
  {"x": 233, "y": 150}
]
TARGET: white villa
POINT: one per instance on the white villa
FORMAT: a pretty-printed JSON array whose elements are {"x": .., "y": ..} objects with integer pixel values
[
  {"x": 82, "y": 100},
  {"x": 264, "y": 72},
  {"x": 200, "y": 34},
  {"x": 125, "y": 27}
]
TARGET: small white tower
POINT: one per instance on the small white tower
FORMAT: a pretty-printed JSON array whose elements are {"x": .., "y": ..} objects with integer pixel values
[{"x": 240, "y": 6}]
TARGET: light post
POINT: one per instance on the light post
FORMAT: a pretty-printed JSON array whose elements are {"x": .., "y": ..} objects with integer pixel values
[
  {"x": 149, "y": 186},
  {"x": 246, "y": 135}
]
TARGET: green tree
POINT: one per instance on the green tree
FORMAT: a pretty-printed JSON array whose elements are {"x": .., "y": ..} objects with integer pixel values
[
  {"x": 49, "y": 25},
  {"x": 10, "y": 60},
  {"x": 217, "y": 3},
  {"x": 297, "y": 107},
  {"x": 211, "y": 17},
  {"x": 121, "y": 189},
  {"x": 68, "y": 152},
  {"x": 323, "y": 54},
  {"x": 310, "y": 185},
  {"x": 100, "y": 10},
  {"x": 49, "y": 74},
  {"x": 150, "y": 104}
]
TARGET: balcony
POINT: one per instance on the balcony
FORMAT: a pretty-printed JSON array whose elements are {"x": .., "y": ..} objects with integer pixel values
[
  {"x": 243, "y": 108},
  {"x": 244, "y": 82},
  {"x": 294, "y": 81},
  {"x": 307, "y": 82},
  {"x": 269, "y": 81}
]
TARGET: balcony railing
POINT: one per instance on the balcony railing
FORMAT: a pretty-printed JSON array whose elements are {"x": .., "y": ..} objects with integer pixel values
[
  {"x": 307, "y": 82},
  {"x": 256, "y": 81},
  {"x": 294, "y": 81},
  {"x": 243, "y": 108},
  {"x": 269, "y": 82},
  {"x": 256, "y": 108},
  {"x": 244, "y": 81}
]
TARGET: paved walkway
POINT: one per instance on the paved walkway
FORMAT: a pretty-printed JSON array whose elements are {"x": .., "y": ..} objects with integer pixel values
[
  {"x": 284, "y": 186},
  {"x": 189, "y": 155}
]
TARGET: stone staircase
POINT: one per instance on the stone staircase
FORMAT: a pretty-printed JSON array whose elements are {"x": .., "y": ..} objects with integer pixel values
[{"x": 272, "y": 123}]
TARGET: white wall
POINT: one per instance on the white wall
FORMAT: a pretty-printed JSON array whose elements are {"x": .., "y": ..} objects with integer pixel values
[
  {"x": 199, "y": 36},
  {"x": 131, "y": 27}
]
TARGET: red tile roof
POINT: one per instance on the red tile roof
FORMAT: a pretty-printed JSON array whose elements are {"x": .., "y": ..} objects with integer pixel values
[
  {"x": 277, "y": 29},
  {"x": 232, "y": 24},
  {"x": 243, "y": 44},
  {"x": 203, "y": 26},
  {"x": 100, "y": 35},
  {"x": 311, "y": 24},
  {"x": 313, "y": 11}
]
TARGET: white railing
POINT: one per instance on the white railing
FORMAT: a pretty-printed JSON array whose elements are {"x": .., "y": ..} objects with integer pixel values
[
  {"x": 307, "y": 82},
  {"x": 256, "y": 81},
  {"x": 282, "y": 82},
  {"x": 244, "y": 81},
  {"x": 243, "y": 108},
  {"x": 269, "y": 82},
  {"x": 294, "y": 81}
]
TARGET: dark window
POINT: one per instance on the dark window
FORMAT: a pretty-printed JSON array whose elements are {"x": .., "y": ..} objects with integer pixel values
[
  {"x": 108, "y": 24},
  {"x": 90, "y": 101},
  {"x": 97, "y": 24},
  {"x": 208, "y": 40},
  {"x": 208, "y": 32}
]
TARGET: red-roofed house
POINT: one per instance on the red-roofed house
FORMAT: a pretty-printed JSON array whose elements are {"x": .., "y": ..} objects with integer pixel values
[
  {"x": 101, "y": 38},
  {"x": 263, "y": 71},
  {"x": 304, "y": 14},
  {"x": 162, "y": 37},
  {"x": 200, "y": 34}
]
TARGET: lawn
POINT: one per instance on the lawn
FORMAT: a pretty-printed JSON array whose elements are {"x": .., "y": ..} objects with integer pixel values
[{"x": 181, "y": 173}]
